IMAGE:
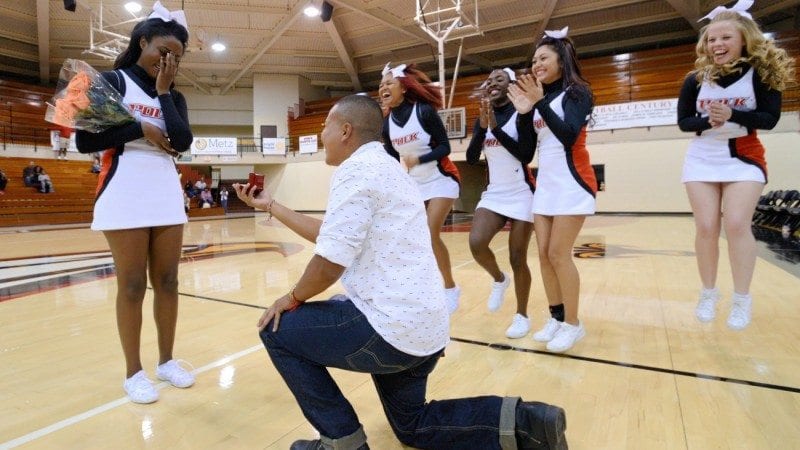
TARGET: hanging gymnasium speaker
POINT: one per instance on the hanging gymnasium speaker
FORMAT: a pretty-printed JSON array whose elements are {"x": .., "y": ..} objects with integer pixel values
[
  {"x": 69, "y": 5},
  {"x": 327, "y": 11}
]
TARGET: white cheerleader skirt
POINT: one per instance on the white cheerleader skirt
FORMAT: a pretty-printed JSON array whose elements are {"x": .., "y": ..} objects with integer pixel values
[
  {"x": 558, "y": 193},
  {"x": 720, "y": 161},
  {"x": 440, "y": 186},
  {"x": 138, "y": 189},
  {"x": 513, "y": 200}
]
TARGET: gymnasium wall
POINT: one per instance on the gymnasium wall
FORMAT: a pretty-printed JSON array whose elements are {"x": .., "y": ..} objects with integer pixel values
[{"x": 232, "y": 109}]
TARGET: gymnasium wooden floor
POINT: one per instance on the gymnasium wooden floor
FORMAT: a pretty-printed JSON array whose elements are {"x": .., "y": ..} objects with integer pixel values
[{"x": 648, "y": 375}]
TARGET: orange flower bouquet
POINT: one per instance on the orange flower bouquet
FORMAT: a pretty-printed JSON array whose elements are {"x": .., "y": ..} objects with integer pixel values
[{"x": 84, "y": 100}]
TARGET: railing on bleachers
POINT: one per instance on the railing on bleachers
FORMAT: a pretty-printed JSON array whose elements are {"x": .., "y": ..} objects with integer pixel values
[
  {"x": 11, "y": 134},
  {"x": 22, "y": 108}
]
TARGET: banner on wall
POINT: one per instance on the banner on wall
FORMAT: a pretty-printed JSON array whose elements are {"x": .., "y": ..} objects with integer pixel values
[
  {"x": 214, "y": 146},
  {"x": 308, "y": 144},
  {"x": 635, "y": 114},
  {"x": 273, "y": 146}
]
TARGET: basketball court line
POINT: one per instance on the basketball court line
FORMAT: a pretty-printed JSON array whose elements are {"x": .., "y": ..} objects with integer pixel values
[
  {"x": 41, "y": 432},
  {"x": 577, "y": 357},
  {"x": 504, "y": 346},
  {"x": 684, "y": 373}
]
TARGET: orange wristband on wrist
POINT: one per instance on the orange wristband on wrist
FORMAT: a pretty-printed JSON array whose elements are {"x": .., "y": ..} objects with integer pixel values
[{"x": 295, "y": 302}]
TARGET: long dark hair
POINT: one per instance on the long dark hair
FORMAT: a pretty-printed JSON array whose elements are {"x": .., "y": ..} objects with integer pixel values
[
  {"x": 572, "y": 80},
  {"x": 419, "y": 87},
  {"x": 148, "y": 29}
]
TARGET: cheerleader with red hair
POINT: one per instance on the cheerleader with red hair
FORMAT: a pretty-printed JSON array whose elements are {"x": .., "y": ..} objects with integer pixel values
[{"x": 414, "y": 134}]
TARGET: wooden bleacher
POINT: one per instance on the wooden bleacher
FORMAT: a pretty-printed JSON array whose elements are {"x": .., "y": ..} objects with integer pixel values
[
  {"x": 214, "y": 211},
  {"x": 22, "y": 113},
  {"x": 71, "y": 202},
  {"x": 636, "y": 76}
]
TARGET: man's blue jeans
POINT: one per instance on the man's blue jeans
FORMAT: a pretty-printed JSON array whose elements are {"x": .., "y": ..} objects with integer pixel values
[{"x": 335, "y": 333}]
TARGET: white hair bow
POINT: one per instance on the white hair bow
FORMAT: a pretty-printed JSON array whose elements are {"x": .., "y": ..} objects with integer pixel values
[
  {"x": 557, "y": 34},
  {"x": 511, "y": 75},
  {"x": 160, "y": 12},
  {"x": 396, "y": 72},
  {"x": 740, "y": 8}
]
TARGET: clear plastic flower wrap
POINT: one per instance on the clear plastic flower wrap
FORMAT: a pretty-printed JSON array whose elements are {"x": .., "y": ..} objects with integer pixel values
[{"x": 84, "y": 100}]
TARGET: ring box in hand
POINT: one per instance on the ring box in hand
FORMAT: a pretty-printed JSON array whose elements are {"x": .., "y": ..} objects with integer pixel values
[{"x": 257, "y": 180}]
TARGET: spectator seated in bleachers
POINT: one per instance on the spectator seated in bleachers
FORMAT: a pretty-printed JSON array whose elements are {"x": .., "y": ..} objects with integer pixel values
[
  {"x": 3, "y": 182},
  {"x": 206, "y": 199},
  {"x": 189, "y": 189},
  {"x": 96, "y": 163},
  {"x": 30, "y": 174},
  {"x": 200, "y": 185},
  {"x": 45, "y": 183},
  {"x": 186, "y": 202}
]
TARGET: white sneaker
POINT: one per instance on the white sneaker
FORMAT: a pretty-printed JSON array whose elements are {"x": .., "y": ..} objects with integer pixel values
[
  {"x": 140, "y": 389},
  {"x": 451, "y": 296},
  {"x": 498, "y": 291},
  {"x": 547, "y": 333},
  {"x": 739, "y": 317},
  {"x": 176, "y": 375},
  {"x": 566, "y": 336},
  {"x": 519, "y": 327},
  {"x": 706, "y": 306}
]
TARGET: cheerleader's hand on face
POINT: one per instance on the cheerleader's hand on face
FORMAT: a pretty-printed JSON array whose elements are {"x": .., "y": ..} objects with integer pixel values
[
  {"x": 246, "y": 193},
  {"x": 167, "y": 68}
]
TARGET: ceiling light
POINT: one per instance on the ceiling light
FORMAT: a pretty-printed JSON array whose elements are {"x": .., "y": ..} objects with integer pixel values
[
  {"x": 133, "y": 7},
  {"x": 312, "y": 11},
  {"x": 218, "y": 47}
]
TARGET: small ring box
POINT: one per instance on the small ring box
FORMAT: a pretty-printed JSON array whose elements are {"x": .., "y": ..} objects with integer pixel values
[{"x": 257, "y": 180}]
